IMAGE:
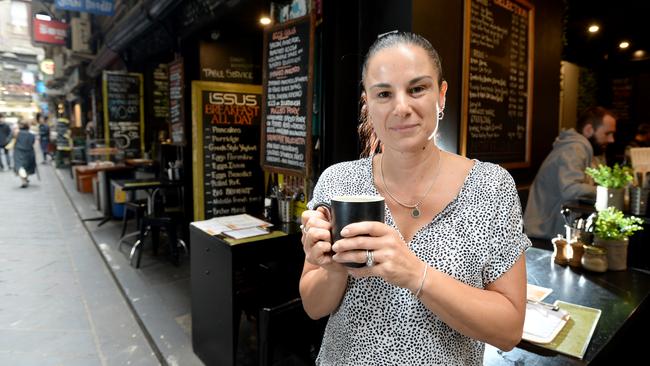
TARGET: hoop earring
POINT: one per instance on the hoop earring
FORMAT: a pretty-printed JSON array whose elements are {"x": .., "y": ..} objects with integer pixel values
[{"x": 441, "y": 114}]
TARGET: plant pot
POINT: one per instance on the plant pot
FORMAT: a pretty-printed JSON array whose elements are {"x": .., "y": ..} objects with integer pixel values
[
  {"x": 616, "y": 252},
  {"x": 608, "y": 197}
]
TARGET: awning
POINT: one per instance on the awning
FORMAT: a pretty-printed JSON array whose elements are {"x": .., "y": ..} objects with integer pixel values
[{"x": 140, "y": 19}]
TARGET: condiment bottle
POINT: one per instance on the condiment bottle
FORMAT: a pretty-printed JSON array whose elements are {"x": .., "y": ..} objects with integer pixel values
[
  {"x": 559, "y": 250},
  {"x": 577, "y": 251},
  {"x": 594, "y": 258}
]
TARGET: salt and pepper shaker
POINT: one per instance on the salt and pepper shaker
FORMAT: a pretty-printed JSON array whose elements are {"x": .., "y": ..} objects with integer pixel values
[{"x": 559, "y": 250}]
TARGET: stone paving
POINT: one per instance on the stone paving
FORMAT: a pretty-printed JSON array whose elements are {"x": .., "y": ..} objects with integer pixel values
[{"x": 59, "y": 303}]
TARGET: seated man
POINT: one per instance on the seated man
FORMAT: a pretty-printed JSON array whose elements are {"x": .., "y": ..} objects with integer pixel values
[
  {"x": 641, "y": 139},
  {"x": 562, "y": 175}
]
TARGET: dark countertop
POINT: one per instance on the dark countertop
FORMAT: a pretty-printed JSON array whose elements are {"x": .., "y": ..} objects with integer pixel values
[{"x": 622, "y": 296}]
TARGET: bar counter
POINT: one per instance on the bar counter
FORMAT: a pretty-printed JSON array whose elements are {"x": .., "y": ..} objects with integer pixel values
[{"x": 620, "y": 334}]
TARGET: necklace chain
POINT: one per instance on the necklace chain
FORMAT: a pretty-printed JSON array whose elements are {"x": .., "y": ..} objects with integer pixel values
[{"x": 415, "y": 208}]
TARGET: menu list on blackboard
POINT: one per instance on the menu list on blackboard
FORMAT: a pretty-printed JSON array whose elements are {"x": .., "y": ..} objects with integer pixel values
[
  {"x": 123, "y": 111},
  {"x": 287, "y": 101},
  {"x": 63, "y": 140},
  {"x": 176, "y": 107},
  {"x": 161, "y": 92},
  {"x": 498, "y": 81},
  {"x": 232, "y": 177}
]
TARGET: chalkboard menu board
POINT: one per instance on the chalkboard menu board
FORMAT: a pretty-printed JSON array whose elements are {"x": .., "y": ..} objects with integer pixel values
[
  {"x": 226, "y": 121},
  {"x": 497, "y": 75},
  {"x": 176, "y": 103},
  {"x": 123, "y": 112},
  {"x": 160, "y": 90},
  {"x": 63, "y": 139},
  {"x": 288, "y": 60}
]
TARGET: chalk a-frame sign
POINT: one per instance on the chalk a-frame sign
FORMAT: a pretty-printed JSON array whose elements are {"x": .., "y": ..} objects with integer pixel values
[
  {"x": 124, "y": 112},
  {"x": 228, "y": 179},
  {"x": 288, "y": 70},
  {"x": 497, "y": 81}
]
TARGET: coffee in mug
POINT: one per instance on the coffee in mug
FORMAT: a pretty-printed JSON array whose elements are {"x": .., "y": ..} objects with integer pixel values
[{"x": 345, "y": 210}]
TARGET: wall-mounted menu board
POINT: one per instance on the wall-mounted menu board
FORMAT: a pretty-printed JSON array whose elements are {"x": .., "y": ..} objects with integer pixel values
[
  {"x": 288, "y": 61},
  {"x": 497, "y": 81},
  {"x": 123, "y": 112},
  {"x": 63, "y": 140},
  {"x": 160, "y": 91},
  {"x": 176, "y": 103},
  {"x": 226, "y": 121}
]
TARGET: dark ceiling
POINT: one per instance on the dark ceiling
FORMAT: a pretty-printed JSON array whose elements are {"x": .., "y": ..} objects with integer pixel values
[{"x": 618, "y": 20}]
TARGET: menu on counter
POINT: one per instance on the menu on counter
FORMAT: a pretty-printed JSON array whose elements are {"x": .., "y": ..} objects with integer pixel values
[
  {"x": 176, "y": 101},
  {"x": 227, "y": 175},
  {"x": 497, "y": 90},
  {"x": 288, "y": 60},
  {"x": 123, "y": 112}
]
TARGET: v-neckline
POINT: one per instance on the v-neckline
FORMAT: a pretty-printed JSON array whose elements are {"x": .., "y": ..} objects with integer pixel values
[{"x": 389, "y": 215}]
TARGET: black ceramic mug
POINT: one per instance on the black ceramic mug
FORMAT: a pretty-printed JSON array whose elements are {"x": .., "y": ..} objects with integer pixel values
[{"x": 345, "y": 210}]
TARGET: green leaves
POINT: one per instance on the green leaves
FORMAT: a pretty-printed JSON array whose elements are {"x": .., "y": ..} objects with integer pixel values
[
  {"x": 612, "y": 224},
  {"x": 616, "y": 177}
]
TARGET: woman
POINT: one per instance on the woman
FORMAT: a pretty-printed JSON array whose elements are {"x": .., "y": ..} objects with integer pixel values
[
  {"x": 447, "y": 269},
  {"x": 24, "y": 155}
]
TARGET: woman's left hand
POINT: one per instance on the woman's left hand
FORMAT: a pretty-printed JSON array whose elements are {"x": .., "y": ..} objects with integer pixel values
[{"x": 393, "y": 260}]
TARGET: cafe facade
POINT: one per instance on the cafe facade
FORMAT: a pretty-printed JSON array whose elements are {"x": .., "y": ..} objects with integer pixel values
[{"x": 242, "y": 118}]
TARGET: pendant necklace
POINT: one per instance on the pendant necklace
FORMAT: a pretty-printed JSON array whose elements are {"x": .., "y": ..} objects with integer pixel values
[{"x": 415, "y": 208}]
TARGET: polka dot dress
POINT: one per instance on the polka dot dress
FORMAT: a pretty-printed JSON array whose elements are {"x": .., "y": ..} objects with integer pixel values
[{"x": 475, "y": 239}]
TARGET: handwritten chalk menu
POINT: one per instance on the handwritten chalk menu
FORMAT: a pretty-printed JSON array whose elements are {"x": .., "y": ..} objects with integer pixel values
[
  {"x": 160, "y": 90},
  {"x": 288, "y": 60},
  {"x": 123, "y": 112},
  {"x": 497, "y": 90},
  {"x": 63, "y": 140},
  {"x": 176, "y": 100},
  {"x": 226, "y": 121}
]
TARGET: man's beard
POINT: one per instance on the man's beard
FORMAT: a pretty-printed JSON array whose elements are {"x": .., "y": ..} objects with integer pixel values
[{"x": 598, "y": 148}]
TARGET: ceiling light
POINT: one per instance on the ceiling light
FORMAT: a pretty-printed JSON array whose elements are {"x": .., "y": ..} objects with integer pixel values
[
  {"x": 639, "y": 54},
  {"x": 623, "y": 45},
  {"x": 43, "y": 17},
  {"x": 265, "y": 20},
  {"x": 594, "y": 28}
]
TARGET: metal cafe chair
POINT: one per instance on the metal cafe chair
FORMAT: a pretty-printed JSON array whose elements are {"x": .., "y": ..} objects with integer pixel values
[{"x": 152, "y": 223}]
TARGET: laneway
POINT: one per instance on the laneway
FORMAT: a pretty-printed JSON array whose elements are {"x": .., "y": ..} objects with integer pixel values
[{"x": 59, "y": 304}]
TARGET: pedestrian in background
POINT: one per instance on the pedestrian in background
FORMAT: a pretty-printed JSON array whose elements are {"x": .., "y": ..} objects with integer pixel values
[
  {"x": 5, "y": 137},
  {"x": 24, "y": 154},
  {"x": 43, "y": 135}
]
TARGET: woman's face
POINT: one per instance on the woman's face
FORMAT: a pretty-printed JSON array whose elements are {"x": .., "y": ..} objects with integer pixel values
[{"x": 403, "y": 97}]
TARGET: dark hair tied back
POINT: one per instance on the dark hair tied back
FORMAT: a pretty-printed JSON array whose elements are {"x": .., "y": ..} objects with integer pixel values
[{"x": 370, "y": 143}]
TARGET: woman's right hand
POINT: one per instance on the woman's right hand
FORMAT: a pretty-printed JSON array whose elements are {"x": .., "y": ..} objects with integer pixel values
[{"x": 317, "y": 239}]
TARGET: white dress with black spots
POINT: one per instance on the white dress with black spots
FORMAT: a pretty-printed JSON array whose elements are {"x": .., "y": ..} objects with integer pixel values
[{"x": 475, "y": 239}]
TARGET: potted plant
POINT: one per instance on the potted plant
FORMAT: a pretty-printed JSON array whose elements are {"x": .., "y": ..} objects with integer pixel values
[
  {"x": 610, "y": 182},
  {"x": 612, "y": 230}
]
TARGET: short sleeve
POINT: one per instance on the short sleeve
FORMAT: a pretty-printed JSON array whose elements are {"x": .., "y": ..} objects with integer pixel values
[
  {"x": 322, "y": 190},
  {"x": 345, "y": 178},
  {"x": 507, "y": 239}
]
